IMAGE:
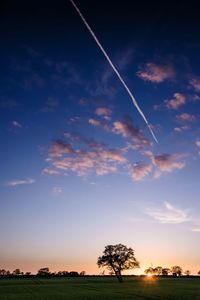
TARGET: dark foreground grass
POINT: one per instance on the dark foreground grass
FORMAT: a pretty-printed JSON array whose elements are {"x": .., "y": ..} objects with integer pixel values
[{"x": 90, "y": 288}]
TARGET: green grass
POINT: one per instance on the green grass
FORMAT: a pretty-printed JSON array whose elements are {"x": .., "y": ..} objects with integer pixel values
[{"x": 91, "y": 288}]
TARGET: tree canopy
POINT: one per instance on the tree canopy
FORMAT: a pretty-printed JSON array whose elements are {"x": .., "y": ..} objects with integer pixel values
[{"x": 118, "y": 258}]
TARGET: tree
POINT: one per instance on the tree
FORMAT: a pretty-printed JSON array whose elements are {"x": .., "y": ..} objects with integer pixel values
[
  {"x": 176, "y": 271},
  {"x": 17, "y": 272},
  {"x": 158, "y": 271},
  {"x": 43, "y": 272},
  {"x": 198, "y": 272},
  {"x": 82, "y": 273},
  {"x": 187, "y": 273},
  {"x": 118, "y": 258},
  {"x": 150, "y": 271},
  {"x": 166, "y": 271}
]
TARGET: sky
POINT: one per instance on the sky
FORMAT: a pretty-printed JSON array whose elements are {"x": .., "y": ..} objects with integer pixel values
[{"x": 79, "y": 167}]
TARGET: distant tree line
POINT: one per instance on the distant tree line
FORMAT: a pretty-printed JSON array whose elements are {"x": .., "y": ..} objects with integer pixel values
[
  {"x": 43, "y": 272},
  {"x": 175, "y": 271}
]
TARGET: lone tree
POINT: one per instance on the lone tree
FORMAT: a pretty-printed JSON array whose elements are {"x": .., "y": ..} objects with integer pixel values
[{"x": 118, "y": 258}]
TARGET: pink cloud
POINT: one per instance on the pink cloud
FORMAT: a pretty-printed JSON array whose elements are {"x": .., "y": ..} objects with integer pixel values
[
  {"x": 140, "y": 170},
  {"x": 195, "y": 83},
  {"x": 59, "y": 148},
  {"x": 175, "y": 103},
  {"x": 156, "y": 73},
  {"x": 103, "y": 111},
  {"x": 181, "y": 129},
  {"x": 185, "y": 117},
  {"x": 98, "y": 123},
  {"x": 167, "y": 163},
  {"x": 93, "y": 157},
  {"x": 128, "y": 130}
]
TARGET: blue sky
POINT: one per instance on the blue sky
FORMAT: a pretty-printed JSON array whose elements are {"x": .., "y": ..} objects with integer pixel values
[{"x": 79, "y": 167}]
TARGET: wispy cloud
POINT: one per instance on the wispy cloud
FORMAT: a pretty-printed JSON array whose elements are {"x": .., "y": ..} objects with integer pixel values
[
  {"x": 57, "y": 190},
  {"x": 128, "y": 130},
  {"x": 91, "y": 157},
  {"x": 168, "y": 214},
  {"x": 140, "y": 170},
  {"x": 59, "y": 148},
  {"x": 167, "y": 163},
  {"x": 176, "y": 102},
  {"x": 195, "y": 83},
  {"x": 16, "y": 124},
  {"x": 198, "y": 145},
  {"x": 49, "y": 171},
  {"x": 186, "y": 117},
  {"x": 20, "y": 182},
  {"x": 103, "y": 112},
  {"x": 97, "y": 123},
  {"x": 156, "y": 73},
  {"x": 196, "y": 229},
  {"x": 181, "y": 128}
]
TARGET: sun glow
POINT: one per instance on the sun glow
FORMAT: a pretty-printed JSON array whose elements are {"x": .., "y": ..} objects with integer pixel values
[{"x": 149, "y": 275}]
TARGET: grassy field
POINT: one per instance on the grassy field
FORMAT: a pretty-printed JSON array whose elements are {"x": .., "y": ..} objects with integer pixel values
[{"x": 91, "y": 288}]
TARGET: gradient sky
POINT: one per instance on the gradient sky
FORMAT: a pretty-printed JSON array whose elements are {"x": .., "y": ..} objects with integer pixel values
[{"x": 79, "y": 167}]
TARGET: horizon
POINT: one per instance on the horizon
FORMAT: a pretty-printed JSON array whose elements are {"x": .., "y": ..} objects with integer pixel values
[{"x": 80, "y": 168}]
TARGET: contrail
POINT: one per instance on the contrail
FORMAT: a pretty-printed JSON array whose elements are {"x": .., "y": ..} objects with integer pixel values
[{"x": 114, "y": 69}]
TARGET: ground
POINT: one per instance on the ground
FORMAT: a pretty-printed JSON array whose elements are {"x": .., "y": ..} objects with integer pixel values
[{"x": 91, "y": 288}]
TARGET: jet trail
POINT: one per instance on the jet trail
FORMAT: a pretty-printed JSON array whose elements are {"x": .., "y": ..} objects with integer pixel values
[{"x": 114, "y": 69}]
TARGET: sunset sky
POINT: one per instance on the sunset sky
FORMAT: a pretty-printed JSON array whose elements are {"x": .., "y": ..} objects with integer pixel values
[{"x": 79, "y": 167}]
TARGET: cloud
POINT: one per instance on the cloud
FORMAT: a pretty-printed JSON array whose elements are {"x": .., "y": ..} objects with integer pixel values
[
  {"x": 49, "y": 171},
  {"x": 175, "y": 103},
  {"x": 91, "y": 157},
  {"x": 97, "y": 123},
  {"x": 197, "y": 229},
  {"x": 20, "y": 182},
  {"x": 140, "y": 170},
  {"x": 185, "y": 117},
  {"x": 57, "y": 190},
  {"x": 156, "y": 73},
  {"x": 195, "y": 83},
  {"x": 128, "y": 130},
  {"x": 16, "y": 124},
  {"x": 103, "y": 112},
  {"x": 182, "y": 128},
  {"x": 59, "y": 148},
  {"x": 169, "y": 214},
  {"x": 198, "y": 145},
  {"x": 167, "y": 163}
]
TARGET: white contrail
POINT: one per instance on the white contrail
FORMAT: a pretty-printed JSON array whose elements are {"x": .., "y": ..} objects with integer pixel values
[{"x": 114, "y": 69}]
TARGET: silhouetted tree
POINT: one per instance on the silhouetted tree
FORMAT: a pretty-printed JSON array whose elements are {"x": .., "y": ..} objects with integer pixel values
[
  {"x": 73, "y": 273},
  {"x": 28, "y": 273},
  {"x": 198, "y": 272},
  {"x": 3, "y": 272},
  {"x": 17, "y": 272},
  {"x": 149, "y": 270},
  {"x": 166, "y": 271},
  {"x": 187, "y": 272},
  {"x": 118, "y": 258},
  {"x": 43, "y": 272},
  {"x": 82, "y": 273},
  {"x": 176, "y": 271},
  {"x": 158, "y": 271}
]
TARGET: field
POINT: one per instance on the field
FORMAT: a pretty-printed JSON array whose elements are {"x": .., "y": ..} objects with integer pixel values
[{"x": 91, "y": 288}]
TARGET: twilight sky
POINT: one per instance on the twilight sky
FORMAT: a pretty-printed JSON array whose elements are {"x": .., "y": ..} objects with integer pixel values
[{"x": 79, "y": 167}]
